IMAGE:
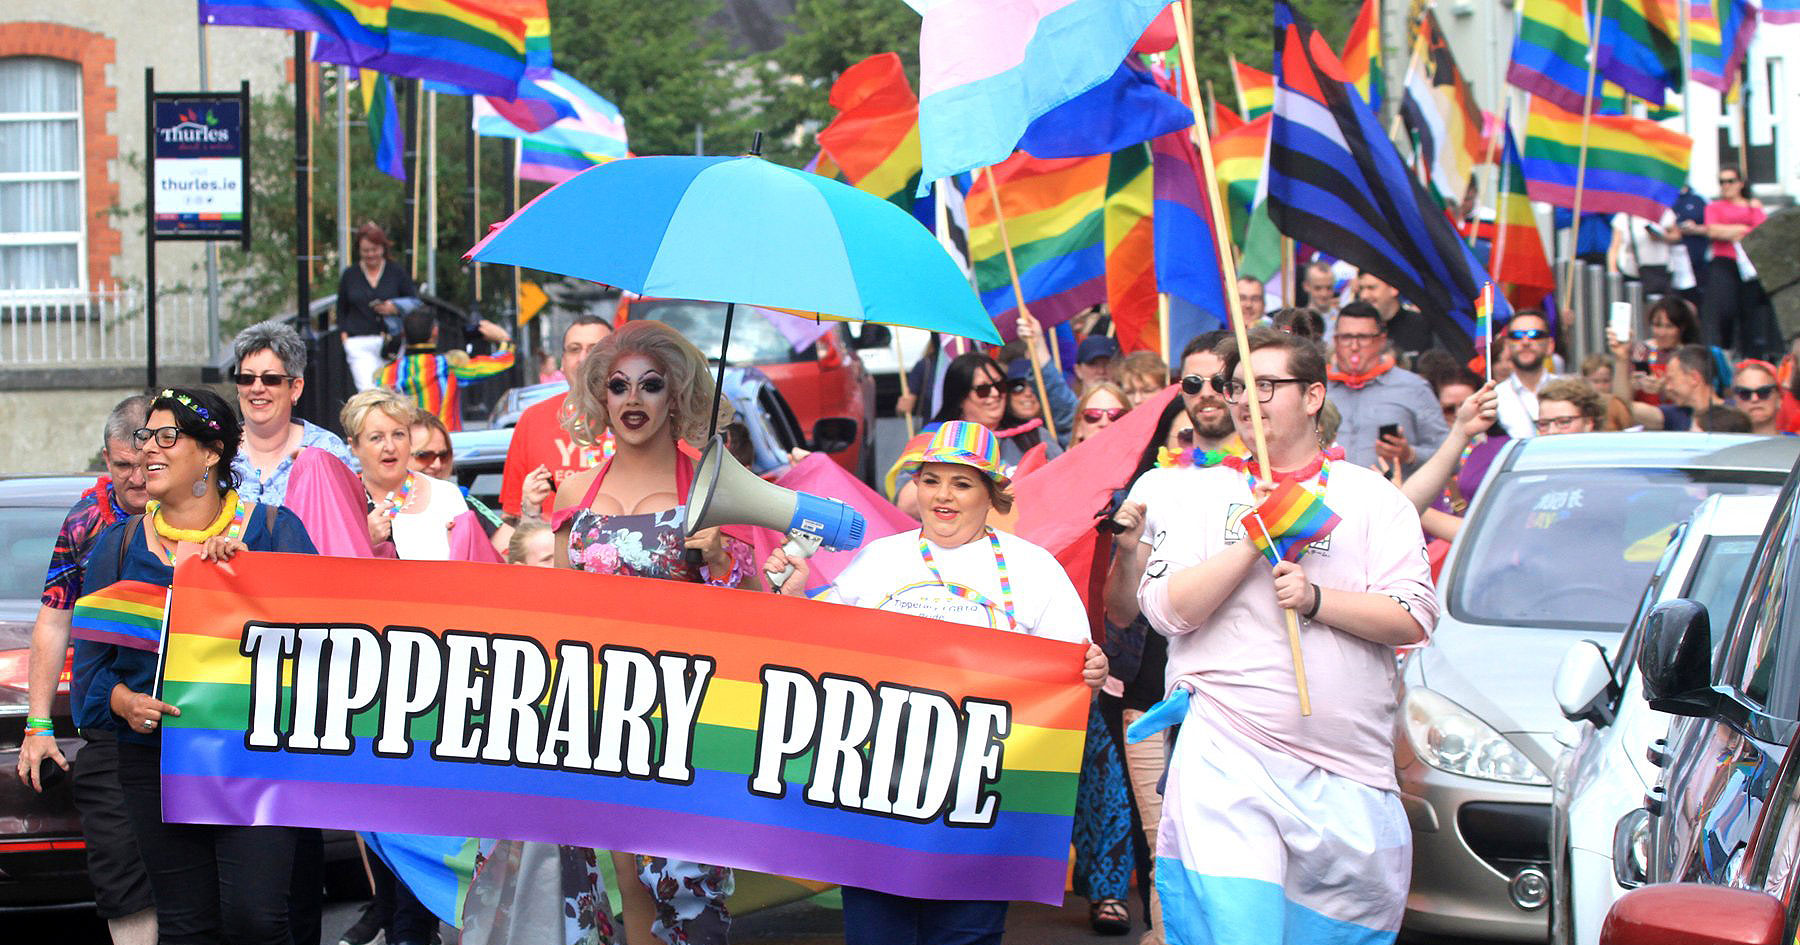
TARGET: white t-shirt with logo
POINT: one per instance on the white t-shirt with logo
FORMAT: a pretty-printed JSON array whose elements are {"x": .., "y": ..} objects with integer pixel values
[{"x": 889, "y": 574}]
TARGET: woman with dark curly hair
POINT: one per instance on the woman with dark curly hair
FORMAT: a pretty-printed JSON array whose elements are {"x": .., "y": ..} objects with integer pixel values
[
  {"x": 651, "y": 388},
  {"x": 211, "y": 883}
]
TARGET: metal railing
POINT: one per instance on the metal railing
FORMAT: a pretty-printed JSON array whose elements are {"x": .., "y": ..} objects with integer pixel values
[{"x": 99, "y": 327}]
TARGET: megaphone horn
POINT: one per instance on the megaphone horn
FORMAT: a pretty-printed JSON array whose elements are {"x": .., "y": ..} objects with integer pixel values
[{"x": 725, "y": 493}]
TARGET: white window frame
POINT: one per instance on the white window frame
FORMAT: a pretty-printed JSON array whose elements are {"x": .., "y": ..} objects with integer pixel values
[{"x": 77, "y": 237}]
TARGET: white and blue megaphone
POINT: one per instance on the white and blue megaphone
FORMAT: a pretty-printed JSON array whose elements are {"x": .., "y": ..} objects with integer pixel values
[{"x": 725, "y": 493}]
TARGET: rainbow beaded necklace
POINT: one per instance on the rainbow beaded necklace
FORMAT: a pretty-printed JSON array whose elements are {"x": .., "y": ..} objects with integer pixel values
[{"x": 969, "y": 593}]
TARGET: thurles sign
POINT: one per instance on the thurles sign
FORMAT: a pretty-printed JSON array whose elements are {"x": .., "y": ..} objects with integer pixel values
[{"x": 743, "y": 729}]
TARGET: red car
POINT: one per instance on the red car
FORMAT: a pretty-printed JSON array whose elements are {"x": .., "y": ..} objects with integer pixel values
[{"x": 821, "y": 381}]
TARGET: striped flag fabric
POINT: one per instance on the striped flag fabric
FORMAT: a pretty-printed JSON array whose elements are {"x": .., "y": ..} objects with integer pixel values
[
  {"x": 1336, "y": 180},
  {"x": 1362, "y": 54},
  {"x": 1639, "y": 46},
  {"x": 987, "y": 70},
  {"x": 1549, "y": 55},
  {"x": 1781, "y": 11},
  {"x": 1130, "y": 232},
  {"x": 1055, "y": 210},
  {"x": 1187, "y": 254},
  {"x": 359, "y": 24},
  {"x": 1255, "y": 90},
  {"x": 1127, "y": 109},
  {"x": 124, "y": 613},
  {"x": 1291, "y": 519},
  {"x": 473, "y": 44},
  {"x": 1719, "y": 34},
  {"x": 383, "y": 118},
  {"x": 1634, "y": 165},
  {"x": 1516, "y": 259},
  {"x": 1224, "y": 119},
  {"x": 1439, "y": 109},
  {"x": 595, "y": 134},
  {"x": 874, "y": 139},
  {"x": 1238, "y": 158}
]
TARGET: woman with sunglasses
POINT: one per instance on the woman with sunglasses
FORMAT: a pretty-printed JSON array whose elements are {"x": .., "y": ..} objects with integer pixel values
[
  {"x": 1770, "y": 407},
  {"x": 1100, "y": 406},
  {"x": 1734, "y": 314},
  {"x": 977, "y": 391},
  {"x": 211, "y": 883},
  {"x": 270, "y": 375}
]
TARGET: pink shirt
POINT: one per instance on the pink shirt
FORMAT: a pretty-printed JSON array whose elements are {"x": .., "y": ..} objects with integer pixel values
[
  {"x": 1742, "y": 214},
  {"x": 1238, "y": 659}
]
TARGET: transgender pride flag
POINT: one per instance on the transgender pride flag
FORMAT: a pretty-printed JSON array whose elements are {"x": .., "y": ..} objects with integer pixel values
[{"x": 594, "y": 134}]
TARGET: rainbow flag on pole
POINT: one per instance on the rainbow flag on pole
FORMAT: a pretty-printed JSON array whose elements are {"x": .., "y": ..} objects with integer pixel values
[
  {"x": 594, "y": 134},
  {"x": 1238, "y": 158},
  {"x": 1517, "y": 260},
  {"x": 874, "y": 139},
  {"x": 125, "y": 613},
  {"x": 1634, "y": 165},
  {"x": 1130, "y": 229},
  {"x": 1362, "y": 55},
  {"x": 648, "y": 724},
  {"x": 1055, "y": 219},
  {"x": 1255, "y": 90},
  {"x": 1549, "y": 56},
  {"x": 1719, "y": 43},
  {"x": 355, "y": 24},
  {"x": 467, "y": 43},
  {"x": 1639, "y": 46},
  {"x": 383, "y": 118},
  {"x": 1292, "y": 518}
]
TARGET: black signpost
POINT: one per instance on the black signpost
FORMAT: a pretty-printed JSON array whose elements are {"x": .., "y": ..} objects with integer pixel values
[{"x": 196, "y": 177}]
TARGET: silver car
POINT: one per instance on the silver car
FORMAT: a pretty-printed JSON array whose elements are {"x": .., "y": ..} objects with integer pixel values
[{"x": 1558, "y": 546}]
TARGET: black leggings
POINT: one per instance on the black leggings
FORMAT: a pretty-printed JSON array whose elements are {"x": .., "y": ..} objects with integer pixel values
[{"x": 216, "y": 884}]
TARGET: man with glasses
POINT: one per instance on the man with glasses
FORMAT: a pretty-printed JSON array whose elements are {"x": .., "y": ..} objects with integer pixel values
[
  {"x": 1529, "y": 347},
  {"x": 542, "y": 454},
  {"x": 1269, "y": 815},
  {"x": 1569, "y": 405},
  {"x": 1389, "y": 413},
  {"x": 270, "y": 376}
]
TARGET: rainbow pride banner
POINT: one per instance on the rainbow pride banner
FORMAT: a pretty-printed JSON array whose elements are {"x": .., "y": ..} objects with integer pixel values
[{"x": 750, "y": 730}]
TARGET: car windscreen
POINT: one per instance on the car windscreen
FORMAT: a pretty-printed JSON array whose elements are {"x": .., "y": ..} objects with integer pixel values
[
  {"x": 27, "y": 533},
  {"x": 1573, "y": 548},
  {"x": 754, "y": 339}
]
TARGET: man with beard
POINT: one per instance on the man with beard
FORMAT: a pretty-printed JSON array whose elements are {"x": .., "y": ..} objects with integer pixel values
[
  {"x": 1529, "y": 347},
  {"x": 1389, "y": 413},
  {"x": 1206, "y": 406}
]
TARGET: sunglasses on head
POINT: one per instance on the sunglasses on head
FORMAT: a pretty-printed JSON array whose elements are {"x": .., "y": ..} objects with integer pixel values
[
  {"x": 1018, "y": 385},
  {"x": 268, "y": 378},
  {"x": 1093, "y": 414},
  {"x": 1527, "y": 334},
  {"x": 1754, "y": 393},
  {"x": 432, "y": 457},
  {"x": 1194, "y": 384}
]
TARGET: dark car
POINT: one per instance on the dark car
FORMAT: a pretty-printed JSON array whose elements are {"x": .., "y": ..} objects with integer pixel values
[
  {"x": 1738, "y": 711},
  {"x": 43, "y": 861}
]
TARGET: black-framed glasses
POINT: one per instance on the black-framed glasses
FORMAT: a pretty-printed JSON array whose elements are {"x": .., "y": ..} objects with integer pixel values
[
  {"x": 1754, "y": 393},
  {"x": 1527, "y": 334},
  {"x": 1359, "y": 338},
  {"x": 268, "y": 378},
  {"x": 1193, "y": 384},
  {"x": 1559, "y": 424},
  {"x": 1265, "y": 388},
  {"x": 165, "y": 436},
  {"x": 1093, "y": 414},
  {"x": 432, "y": 457}
]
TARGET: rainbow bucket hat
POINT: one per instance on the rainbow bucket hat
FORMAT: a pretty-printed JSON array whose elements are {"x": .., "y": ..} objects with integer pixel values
[{"x": 965, "y": 444}]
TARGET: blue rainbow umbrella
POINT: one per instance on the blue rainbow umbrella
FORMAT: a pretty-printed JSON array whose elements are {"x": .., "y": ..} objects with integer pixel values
[{"x": 742, "y": 231}]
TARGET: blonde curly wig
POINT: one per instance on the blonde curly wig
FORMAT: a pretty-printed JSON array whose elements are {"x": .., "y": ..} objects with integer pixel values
[{"x": 684, "y": 368}]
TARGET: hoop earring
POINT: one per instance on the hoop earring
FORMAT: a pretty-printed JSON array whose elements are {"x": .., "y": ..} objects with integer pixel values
[{"x": 200, "y": 486}]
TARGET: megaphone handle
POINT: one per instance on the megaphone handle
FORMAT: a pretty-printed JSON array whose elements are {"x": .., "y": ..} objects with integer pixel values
[{"x": 799, "y": 545}]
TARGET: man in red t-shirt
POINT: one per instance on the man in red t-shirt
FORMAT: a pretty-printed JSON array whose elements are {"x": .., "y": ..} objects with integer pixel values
[{"x": 542, "y": 453}]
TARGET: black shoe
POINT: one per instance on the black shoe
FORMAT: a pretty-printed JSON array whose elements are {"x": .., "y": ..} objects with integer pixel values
[{"x": 366, "y": 931}]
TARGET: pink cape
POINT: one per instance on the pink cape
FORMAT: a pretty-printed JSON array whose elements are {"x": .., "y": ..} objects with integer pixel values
[{"x": 331, "y": 503}]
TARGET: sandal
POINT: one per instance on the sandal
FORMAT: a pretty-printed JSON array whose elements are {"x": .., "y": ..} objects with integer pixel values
[{"x": 1109, "y": 916}]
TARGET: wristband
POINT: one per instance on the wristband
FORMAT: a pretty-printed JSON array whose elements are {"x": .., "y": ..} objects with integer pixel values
[
  {"x": 1318, "y": 598},
  {"x": 34, "y": 722},
  {"x": 34, "y": 730}
]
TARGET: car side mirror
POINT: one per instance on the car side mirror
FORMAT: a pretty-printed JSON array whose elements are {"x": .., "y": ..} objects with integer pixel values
[
  {"x": 1584, "y": 684},
  {"x": 832, "y": 434},
  {"x": 1676, "y": 659},
  {"x": 1693, "y": 913},
  {"x": 874, "y": 336}
]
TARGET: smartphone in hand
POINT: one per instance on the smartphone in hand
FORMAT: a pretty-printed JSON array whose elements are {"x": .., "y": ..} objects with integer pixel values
[{"x": 1390, "y": 429}]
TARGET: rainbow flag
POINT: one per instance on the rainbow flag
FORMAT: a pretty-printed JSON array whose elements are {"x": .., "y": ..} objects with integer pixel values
[
  {"x": 124, "y": 613},
  {"x": 1549, "y": 56},
  {"x": 474, "y": 44},
  {"x": 1362, "y": 54},
  {"x": 1639, "y": 46},
  {"x": 435, "y": 381},
  {"x": 1292, "y": 518},
  {"x": 1484, "y": 318},
  {"x": 1719, "y": 44},
  {"x": 1517, "y": 260},
  {"x": 354, "y": 24},
  {"x": 1224, "y": 119},
  {"x": 875, "y": 137},
  {"x": 1130, "y": 229},
  {"x": 1055, "y": 219},
  {"x": 1255, "y": 90},
  {"x": 648, "y": 724},
  {"x": 1187, "y": 254},
  {"x": 594, "y": 133},
  {"x": 1238, "y": 158},
  {"x": 1781, "y": 11},
  {"x": 1634, "y": 165},
  {"x": 385, "y": 134}
]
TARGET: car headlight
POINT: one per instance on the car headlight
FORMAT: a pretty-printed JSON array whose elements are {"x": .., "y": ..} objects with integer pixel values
[
  {"x": 1450, "y": 738},
  {"x": 1631, "y": 849}
]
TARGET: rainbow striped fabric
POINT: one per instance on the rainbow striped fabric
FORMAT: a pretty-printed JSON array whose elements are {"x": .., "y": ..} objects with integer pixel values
[
  {"x": 1781, "y": 11},
  {"x": 1238, "y": 157},
  {"x": 474, "y": 44},
  {"x": 1549, "y": 56},
  {"x": 1517, "y": 260},
  {"x": 593, "y": 133},
  {"x": 1720, "y": 40},
  {"x": 874, "y": 139},
  {"x": 1055, "y": 220},
  {"x": 354, "y": 24},
  {"x": 1255, "y": 90},
  {"x": 125, "y": 613},
  {"x": 1362, "y": 54},
  {"x": 1634, "y": 165},
  {"x": 734, "y": 777},
  {"x": 435, "y": 380},
  {"x": 1484, "y": 316},
  {"x": 1639, "y": 46},
  {"x": 1292, "y": 517},
  {"x": 1130, "y": 227},
  {"x": 383, "y": 118}
]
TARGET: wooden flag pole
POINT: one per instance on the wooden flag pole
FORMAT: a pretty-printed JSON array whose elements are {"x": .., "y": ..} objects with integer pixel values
[
  {"x": 1012, "y": 268},
  {"x": 905, "y": 385},
  {"x": 1162, "y": 328},
  {"x": 1587, "y": 122},
  {"x": 1184, "y": 31}
]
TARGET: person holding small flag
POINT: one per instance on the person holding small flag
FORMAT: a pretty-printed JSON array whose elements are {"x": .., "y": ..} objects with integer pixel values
[{"x": 1280, "y": 826}]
